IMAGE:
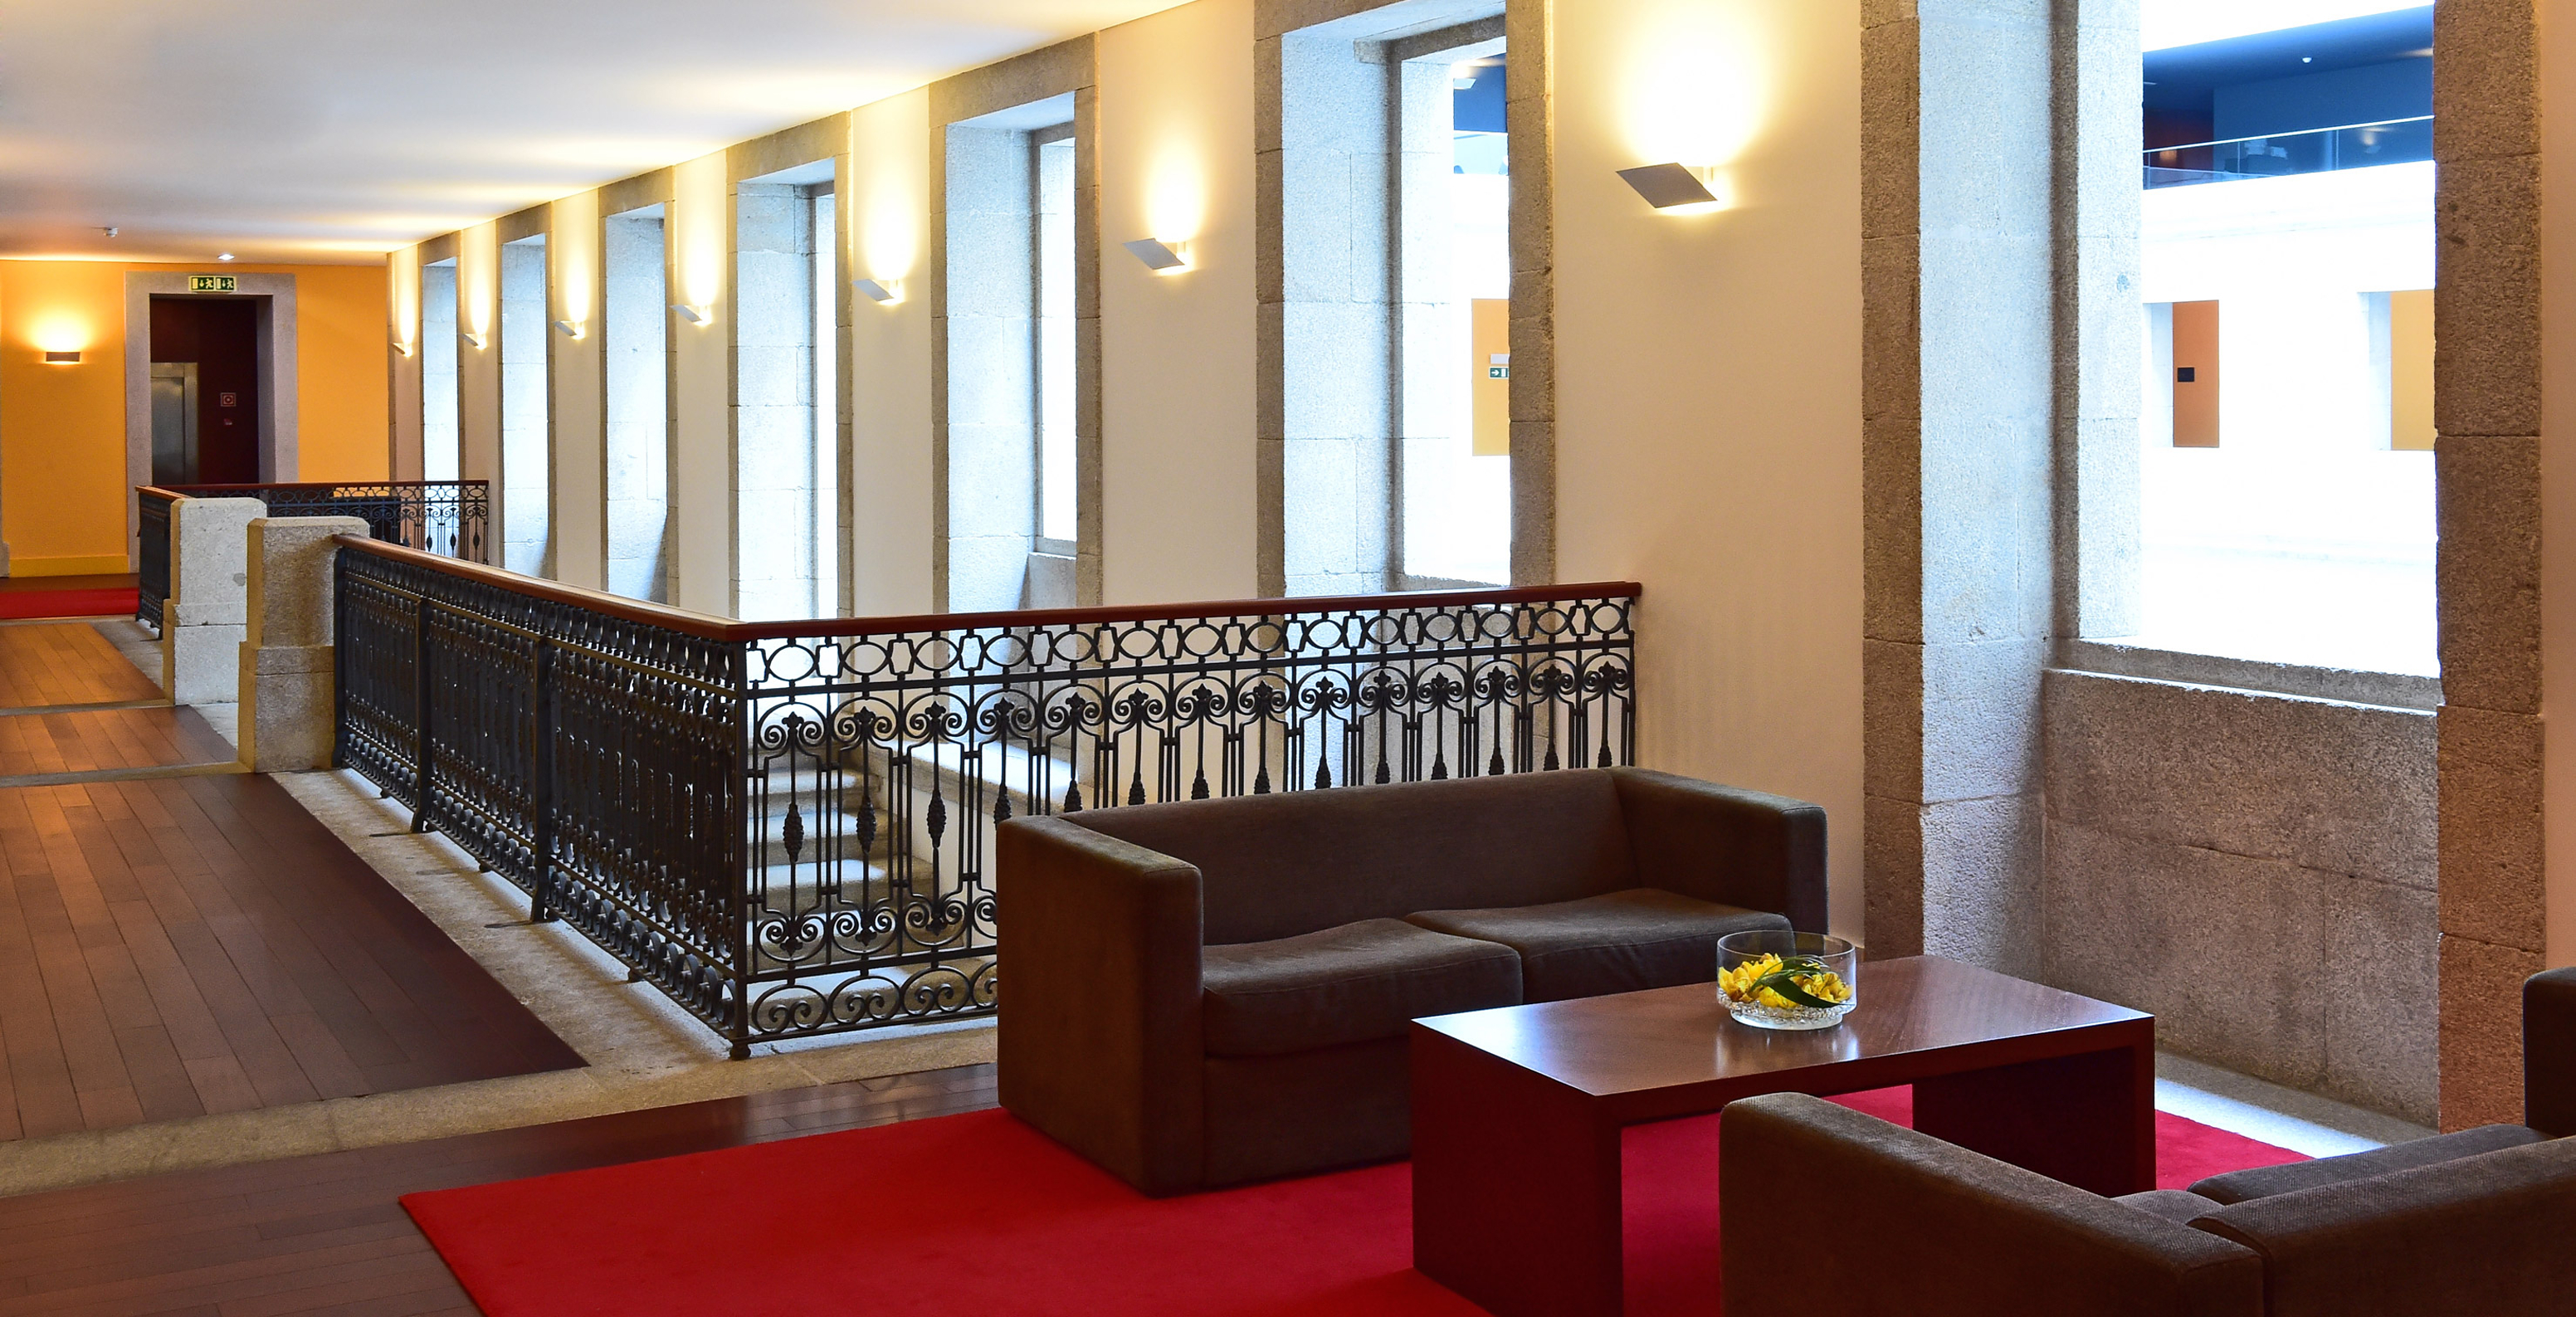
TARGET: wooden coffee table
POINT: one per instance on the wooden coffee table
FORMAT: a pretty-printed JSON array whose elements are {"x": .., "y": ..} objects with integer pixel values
[{"x": 1517, "y": 1110}]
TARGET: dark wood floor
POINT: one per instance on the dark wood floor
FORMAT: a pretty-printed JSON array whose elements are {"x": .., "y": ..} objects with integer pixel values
[
  {"x": 47, "y": 665},
  {"x": 101, "y": 740},
  {"x": 178, "y": 946},
  {"x": 327, "y": 1234}
]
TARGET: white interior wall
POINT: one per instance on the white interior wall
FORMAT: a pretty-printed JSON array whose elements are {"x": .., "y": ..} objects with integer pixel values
[
  {"x": 577, "y": 479},
  {"x": 478, "y": 372},
  {"x": 1708, "y": 384},
  {"x": 699, "y": 225},
  {"x": 1177, "y": 351},
  {"x": 402, "y": 364},
  {"x": 889, "y": 494}
]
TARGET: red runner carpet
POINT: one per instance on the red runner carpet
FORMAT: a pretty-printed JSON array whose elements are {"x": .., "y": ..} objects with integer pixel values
[
  {"x": 114, "y": 601},
  {"x": 980, "y": 1214}
]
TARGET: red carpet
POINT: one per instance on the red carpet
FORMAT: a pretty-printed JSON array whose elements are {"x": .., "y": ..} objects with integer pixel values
[
  {"x": 981, "y": 1214},
  {"x": 114, "y": 602}
]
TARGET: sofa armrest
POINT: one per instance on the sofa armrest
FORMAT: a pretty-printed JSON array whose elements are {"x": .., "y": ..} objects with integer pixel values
[
  {"x": 2483, "y": 1234},
  {"x": 1726, "y": 844},
  {"x": 1825, "y": 1208},
  {"x": 1100, "y": 1043},
  {"x": 2549, "y": 1052}
]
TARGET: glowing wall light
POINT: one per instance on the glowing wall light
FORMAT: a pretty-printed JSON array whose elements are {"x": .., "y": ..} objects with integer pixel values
[
  {"x": 1695, "y": 99},
  {"x": 59, "y": 334},
  {"x": 62, "y": 358},
  {"x": 569, "y": 328},
  {"x": 475, "y": 337},
  {"x": 885, "y": 292},
  {"x": 1159, "y": 256}
]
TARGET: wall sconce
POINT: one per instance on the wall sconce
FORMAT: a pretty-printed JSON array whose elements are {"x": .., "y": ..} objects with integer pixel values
[
  {"x": 1159, "y": 256},
  {"x": 1668, "y": 186},
  {"x": 474, "y": 338},
  {"x": 62, "y": 358},
  {"x": 885, "y": 292},
  {"x": 696, "y": 315},
  {"x": 403, "y": 348},
  {"x": 568, "y": 328}
]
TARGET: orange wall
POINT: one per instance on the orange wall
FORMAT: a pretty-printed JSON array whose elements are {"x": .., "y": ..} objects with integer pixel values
[{"x": 62, "y": 428}]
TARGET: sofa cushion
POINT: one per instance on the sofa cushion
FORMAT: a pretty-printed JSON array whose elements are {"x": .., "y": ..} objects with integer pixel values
[
  {"x": 1619, "y": 942},
  {"x": 2264, "y": 1181},
  {"x": 1349, "y": 984}
]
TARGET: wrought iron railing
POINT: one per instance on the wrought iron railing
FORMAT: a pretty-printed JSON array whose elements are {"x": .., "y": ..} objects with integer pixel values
[
  {"x": 788, "y": 826},
  {"x": 152, "y": 558},
  {"x": 446, "y": 517}
]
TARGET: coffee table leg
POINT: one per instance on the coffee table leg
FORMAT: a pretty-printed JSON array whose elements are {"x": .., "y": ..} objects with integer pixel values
[
  {"x": 2087, "y": 1119},
  {"x": 1515, "y": 1186}
]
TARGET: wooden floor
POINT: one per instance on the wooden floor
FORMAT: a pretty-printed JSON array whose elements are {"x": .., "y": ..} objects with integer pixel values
[
  {"x": 184, "y": 945},
  {"x": 326, "y": 1234},
  {"x": 47, "y": 665},
  {"x": 103, "y": 740}
]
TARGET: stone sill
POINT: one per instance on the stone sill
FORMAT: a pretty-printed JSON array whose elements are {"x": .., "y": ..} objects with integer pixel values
[{"x": 2389, "y": 689}]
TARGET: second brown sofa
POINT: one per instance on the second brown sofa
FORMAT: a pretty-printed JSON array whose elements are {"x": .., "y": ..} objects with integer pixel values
[{"x": 1212, "y": 992}]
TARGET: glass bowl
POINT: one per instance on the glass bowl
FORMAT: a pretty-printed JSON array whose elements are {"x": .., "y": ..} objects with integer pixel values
[{"x": 1820, "y": 991}]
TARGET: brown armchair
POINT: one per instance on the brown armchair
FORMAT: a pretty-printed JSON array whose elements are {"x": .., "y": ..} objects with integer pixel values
[
  {"x": 2474, "y": 1221},
  {"x": 1212, "y": 992}
]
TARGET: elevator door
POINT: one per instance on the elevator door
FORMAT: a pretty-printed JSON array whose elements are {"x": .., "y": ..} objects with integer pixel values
[{"x": 174, "y": 423}]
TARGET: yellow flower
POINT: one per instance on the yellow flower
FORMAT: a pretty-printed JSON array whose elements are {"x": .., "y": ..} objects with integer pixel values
[{"x": 1738, "y": 984}]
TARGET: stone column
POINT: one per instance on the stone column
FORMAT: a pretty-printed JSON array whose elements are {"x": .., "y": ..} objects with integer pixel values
[
  {"x": 202, "y": 623},
  {"x": 2488, "y": 481},
  {"x": 287, "y": 695}
]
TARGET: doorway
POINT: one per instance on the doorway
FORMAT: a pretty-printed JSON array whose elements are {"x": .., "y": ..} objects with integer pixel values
[{"x": 212, "y": 428}]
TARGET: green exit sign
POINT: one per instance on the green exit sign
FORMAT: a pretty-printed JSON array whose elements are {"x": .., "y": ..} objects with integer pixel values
[{"x": 213, "y": 283}]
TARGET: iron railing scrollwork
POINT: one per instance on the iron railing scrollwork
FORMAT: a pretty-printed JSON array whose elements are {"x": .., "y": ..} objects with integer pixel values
[
  {"x": 788, "y": 826},
  {"x": 446, "y": 517}
]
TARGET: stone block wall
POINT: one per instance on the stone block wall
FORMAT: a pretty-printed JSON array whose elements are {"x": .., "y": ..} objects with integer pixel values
[{"x": 2257, "y": 870}]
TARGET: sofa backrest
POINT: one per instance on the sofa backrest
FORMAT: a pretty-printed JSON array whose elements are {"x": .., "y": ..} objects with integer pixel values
[
  {"x": 2483, "y": 1234},
  {"x": 1295, "y": 862}
]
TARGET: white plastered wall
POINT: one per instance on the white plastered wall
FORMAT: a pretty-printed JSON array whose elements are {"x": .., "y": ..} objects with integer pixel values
[
  {"x": 887, "y": 224},
  {"x": 697, "y": 226},
  {"x": 1177, "y": 351},
  {"x": 478, "y": 370},
  {"x": 1708, "y": 390},
  {"x": 581, "y": 430},
  {"x": 402, "y": 368}
]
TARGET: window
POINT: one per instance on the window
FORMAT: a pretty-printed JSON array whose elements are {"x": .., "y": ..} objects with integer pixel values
[
  {"x": 1013, "y": 393},
  {"x": 2286, "y": 258},
  {"x": 1457, "y": 264},
  {"x": 785, "y": 419},
  {"x": 1390, "y": 338},
  {"x": 439, "y": 457},
  {"x": 527, "y": 430},
  {"x": 634, "y": 342}
]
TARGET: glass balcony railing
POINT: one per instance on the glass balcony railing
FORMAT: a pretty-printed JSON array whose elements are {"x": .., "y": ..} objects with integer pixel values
[{"x": 2356, "y": 146}]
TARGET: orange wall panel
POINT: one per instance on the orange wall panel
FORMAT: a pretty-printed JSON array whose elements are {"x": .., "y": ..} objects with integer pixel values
[{"x": 62, "y": 428}]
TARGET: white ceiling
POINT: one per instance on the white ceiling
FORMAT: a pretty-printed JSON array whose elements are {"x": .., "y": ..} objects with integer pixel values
[{"x": 336, "y": 130}]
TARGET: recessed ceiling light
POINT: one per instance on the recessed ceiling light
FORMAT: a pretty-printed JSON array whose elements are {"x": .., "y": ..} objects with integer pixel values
[{"x": 223, "y": 256}]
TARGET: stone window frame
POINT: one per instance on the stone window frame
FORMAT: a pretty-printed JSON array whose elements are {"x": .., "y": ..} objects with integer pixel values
[
  {"x": 652, "y": 189},
  {"x": 1527, "y": 29},
  {"x": 814, "y": 142},
  {"x": 1068, "y": 68},
  {"x": 517, "y": 227}
]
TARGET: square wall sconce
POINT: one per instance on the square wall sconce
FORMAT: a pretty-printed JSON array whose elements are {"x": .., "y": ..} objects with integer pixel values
[
  {"x": 1159, "y": 256},
  {"x": 696, "y": 315},
  {"x": 476, "y": 339},
  {"x": 62, "y": 358},
  {"x": 403, "y": 348},
  {"x": 568, "y": 328},
  {"x": 885, "y": 292},
  {"x": 1667, "y": 186}
]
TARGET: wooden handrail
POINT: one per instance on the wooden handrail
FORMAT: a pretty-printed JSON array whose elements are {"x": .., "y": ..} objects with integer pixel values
[
  {"x": 189, "y": 491},
  {"x": 711, "y": 627}
]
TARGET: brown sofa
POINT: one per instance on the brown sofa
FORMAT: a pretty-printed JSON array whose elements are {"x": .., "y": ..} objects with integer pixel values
[
  {"x": 2476, "y": 1221},
  {"x": 1216, "y": 991}
]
